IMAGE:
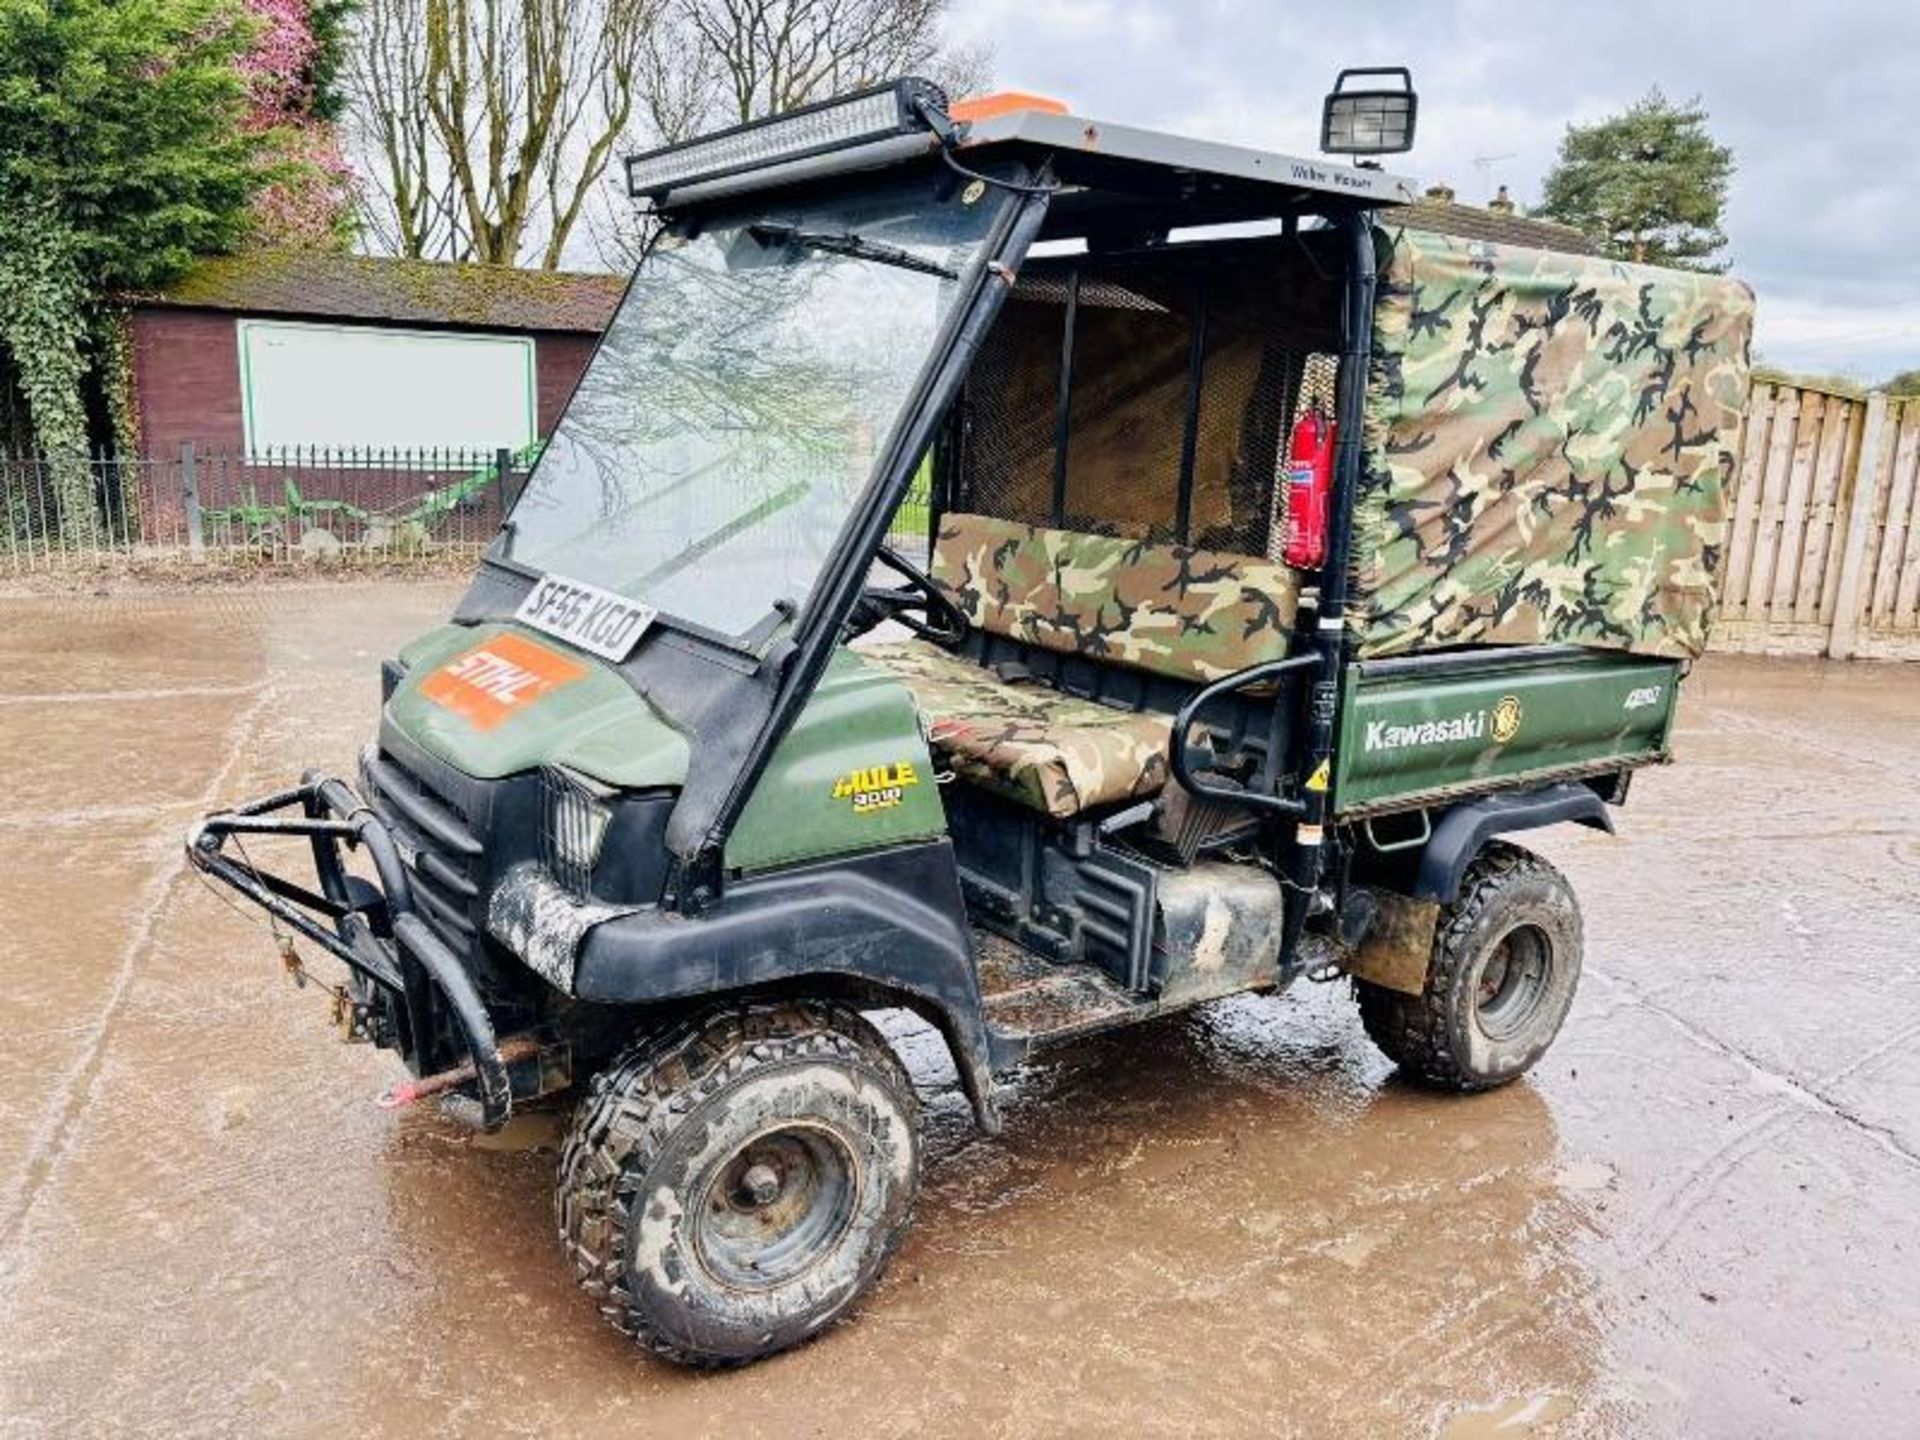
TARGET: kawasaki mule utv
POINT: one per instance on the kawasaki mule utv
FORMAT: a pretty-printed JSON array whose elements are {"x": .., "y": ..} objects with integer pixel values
[{"x": 900, "y": 616}]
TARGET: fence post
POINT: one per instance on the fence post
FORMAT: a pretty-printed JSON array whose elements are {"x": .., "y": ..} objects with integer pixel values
[
  {"x": 190, "y": 501},
  {"x": 1850, "y": 596},
  {"x": 503, "y": 474}
]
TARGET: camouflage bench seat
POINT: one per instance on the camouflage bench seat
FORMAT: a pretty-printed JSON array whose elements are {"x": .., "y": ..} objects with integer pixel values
[
  {"x": 1052, "y": 752},
  {"x": 1165, "y": 611}
]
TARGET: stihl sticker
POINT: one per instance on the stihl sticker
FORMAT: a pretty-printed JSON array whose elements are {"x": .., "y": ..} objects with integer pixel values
[{"x": 498, "y": 679}]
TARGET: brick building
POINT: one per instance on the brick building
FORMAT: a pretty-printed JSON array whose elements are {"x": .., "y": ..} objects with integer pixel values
[{"x": 257, "y": 353}]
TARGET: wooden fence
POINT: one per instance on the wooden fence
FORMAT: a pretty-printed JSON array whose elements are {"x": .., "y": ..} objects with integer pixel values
[{"x": 1824, "y": 558}]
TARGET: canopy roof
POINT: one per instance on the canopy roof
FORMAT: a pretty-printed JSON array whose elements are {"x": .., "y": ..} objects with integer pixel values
[
  {"x": 1119, "y": 179},
  {"x": 1111, "y": 170}
]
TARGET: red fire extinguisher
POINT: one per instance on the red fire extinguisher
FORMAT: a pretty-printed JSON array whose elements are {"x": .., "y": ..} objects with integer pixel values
[{"x": 1309, "y": 482}]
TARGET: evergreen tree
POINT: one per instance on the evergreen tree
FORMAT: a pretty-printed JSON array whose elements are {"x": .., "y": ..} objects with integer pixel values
[{"x": 1648, "y": 185}]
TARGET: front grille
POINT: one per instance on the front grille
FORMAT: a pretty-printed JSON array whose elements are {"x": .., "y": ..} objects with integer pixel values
[{"x": 439, "y": 848}]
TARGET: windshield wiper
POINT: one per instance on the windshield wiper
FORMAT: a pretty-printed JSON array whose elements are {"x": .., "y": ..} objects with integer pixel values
[{"x": 846, "y": 243}]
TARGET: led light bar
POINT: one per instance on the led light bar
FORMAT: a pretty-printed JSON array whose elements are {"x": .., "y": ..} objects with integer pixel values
[
  {"x": 1373, "y": 121},
  {"x": 837, "y": 124}
]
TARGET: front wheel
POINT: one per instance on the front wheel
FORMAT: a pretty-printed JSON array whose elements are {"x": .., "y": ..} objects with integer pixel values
[
  {"x": 1501, "y": 978},
  {"x": 732, "y": 1186}
]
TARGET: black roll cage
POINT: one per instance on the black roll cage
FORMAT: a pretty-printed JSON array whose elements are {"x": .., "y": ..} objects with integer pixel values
[
  {"x": 801, "y": 658},
  {"x": 1096, "y": 196},
  {"x": 1321, "y": 650}
]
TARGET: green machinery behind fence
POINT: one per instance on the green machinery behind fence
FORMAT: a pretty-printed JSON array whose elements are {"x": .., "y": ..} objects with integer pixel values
[{"x": 260, "y": 520}]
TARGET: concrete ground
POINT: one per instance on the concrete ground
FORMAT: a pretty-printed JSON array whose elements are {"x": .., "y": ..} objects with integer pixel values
[{"x": 1698, "y": 1217}]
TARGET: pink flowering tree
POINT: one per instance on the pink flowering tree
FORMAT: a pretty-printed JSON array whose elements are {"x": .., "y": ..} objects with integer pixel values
[{"x": 308, "y": 203}]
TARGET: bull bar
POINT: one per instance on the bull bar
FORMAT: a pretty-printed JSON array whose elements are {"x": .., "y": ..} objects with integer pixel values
[{"x": 373, "y": 929}]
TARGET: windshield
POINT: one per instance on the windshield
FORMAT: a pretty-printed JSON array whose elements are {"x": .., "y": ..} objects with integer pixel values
[{"x": 745, "y": 389}]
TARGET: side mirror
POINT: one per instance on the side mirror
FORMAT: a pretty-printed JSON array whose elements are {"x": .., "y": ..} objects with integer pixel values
[{"x": 1371, "y": 118}]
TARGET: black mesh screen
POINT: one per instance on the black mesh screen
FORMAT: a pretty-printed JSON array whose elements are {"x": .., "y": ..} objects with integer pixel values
[
  {"x": 1187, "y": 368},
  {"x": 1005, "y": 449},
  {"x": 1131, "y": 344}
]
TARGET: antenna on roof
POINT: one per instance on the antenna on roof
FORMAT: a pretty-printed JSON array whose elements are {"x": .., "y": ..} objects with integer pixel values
[{"x": 1485, "y": 163}]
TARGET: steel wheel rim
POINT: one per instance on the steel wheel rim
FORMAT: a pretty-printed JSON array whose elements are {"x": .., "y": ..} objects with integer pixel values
[
  {"x": 776, "y": 1207},
  {"x": 1513, "y": 982}
]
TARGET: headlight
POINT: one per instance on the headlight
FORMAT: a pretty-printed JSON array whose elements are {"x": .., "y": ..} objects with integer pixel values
[{"x": 575, "y": 827}]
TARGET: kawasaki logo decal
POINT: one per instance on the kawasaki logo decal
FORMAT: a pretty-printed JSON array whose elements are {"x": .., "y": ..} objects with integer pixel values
[
  {"x": 1500, "y": 724},
  {"x": 1506, "y": 718}
]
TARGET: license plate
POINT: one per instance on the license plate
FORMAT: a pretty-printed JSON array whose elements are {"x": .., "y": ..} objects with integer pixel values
[{"x": 597, "y": 621}]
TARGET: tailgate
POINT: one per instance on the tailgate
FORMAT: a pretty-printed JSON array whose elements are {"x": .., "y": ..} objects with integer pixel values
[{"x": 1432, "y": 726}]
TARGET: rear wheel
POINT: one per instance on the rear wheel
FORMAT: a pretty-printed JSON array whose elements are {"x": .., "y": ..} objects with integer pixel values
[
  {"x": 1505, "y": 964},
  {"x": 731, "y": 1186}
]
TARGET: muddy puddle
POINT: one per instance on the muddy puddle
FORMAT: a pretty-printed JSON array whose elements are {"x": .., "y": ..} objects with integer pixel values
[{"x": 1695, "y": 1218}]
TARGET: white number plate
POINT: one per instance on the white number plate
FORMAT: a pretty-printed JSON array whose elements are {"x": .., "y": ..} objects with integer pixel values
[{"x": 598, "y": 621}]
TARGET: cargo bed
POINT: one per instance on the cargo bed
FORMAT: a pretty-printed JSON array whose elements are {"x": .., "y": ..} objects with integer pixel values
[{"x": 1426, "y": 728}]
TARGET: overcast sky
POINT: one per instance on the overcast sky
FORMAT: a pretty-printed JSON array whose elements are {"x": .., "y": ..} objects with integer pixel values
[{"x": 1820, "y": 102}]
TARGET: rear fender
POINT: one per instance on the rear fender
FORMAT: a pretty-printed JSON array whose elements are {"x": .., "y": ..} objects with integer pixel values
[
  {"x": 1462, "y": 830},
  {"x": 1398, "y": 943}
]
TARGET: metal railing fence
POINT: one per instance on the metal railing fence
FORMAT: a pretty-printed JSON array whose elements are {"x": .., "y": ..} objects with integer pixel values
[{"x": 78, "y": 509}]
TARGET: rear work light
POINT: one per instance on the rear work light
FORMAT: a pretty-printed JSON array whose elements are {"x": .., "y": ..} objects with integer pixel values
[
  {"x": 1372, "y": 120},
  {"x": 837, "y": 124}
]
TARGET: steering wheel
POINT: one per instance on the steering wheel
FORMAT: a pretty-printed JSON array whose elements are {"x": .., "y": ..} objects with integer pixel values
[{"x": 940, "y": 621}]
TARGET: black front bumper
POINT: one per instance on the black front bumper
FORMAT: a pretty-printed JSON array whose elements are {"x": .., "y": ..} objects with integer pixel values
[{"x": 377, "y": 930}]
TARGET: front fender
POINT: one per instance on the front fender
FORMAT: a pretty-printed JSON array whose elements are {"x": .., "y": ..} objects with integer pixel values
[{"x": 892, "y": 919}]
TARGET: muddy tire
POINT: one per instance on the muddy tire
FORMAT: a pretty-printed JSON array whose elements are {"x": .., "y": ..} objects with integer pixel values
[
  {"x": 732, "y": 1185},
  {"x": 1505, "y": 964}
]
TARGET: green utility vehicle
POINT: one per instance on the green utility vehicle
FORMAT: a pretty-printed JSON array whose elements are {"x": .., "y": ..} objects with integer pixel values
[{"x": 728, "y": 742}]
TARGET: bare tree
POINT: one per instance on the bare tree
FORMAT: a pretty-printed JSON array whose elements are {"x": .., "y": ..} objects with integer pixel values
[
  {"x": 486, "y": 128},
  {"x": 708, "y": 64},
  {"x": 766, "y": 56},
  {"x": 487, "y": 124}
]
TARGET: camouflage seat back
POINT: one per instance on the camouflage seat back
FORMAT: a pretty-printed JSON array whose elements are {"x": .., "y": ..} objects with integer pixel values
[
  {"x": 1188, "y": 614},
  {"x": 1550, "y": 439}
]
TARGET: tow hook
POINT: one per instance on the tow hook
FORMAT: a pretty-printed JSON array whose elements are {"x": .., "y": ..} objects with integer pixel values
[{"x": 512, "y": 1050}]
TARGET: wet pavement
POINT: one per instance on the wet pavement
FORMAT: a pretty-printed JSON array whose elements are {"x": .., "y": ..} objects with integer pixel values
[{"x": 1698, "y": 1217}]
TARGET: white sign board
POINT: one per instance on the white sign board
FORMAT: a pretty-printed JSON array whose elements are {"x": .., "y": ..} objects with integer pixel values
[{"x": 341, "y": 386}]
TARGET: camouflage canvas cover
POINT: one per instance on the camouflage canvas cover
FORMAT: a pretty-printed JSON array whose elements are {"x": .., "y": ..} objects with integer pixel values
[{"x": 1549, "y": 443}]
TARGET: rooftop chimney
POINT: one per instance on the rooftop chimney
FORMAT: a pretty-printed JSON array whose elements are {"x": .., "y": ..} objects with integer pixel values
[
  {"x": 1502, "y": 202},
  {"x": 1440, "y": 193}
]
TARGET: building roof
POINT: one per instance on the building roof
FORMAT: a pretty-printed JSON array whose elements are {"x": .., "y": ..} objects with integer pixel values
[
  {"x": 410, "y": 292},
  {"x": 1474, "y": 222}
]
